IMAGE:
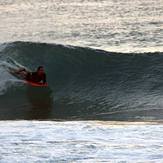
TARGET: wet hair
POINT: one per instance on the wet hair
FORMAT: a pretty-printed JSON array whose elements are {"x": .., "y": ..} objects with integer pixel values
[{"x": 39, "y": 68}]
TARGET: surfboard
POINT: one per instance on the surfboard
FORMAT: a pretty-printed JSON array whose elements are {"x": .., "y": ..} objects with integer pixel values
[{"x": 36, "y": 84}]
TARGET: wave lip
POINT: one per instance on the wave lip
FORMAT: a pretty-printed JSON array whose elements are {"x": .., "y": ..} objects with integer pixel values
[{"x": 84, "y": 83}]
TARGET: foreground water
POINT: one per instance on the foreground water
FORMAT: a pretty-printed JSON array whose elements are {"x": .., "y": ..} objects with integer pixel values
[{"x": 91, "y": 141}]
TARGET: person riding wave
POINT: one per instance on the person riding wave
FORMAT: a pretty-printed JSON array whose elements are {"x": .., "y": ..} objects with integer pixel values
[{"x": 39, "y": 76}]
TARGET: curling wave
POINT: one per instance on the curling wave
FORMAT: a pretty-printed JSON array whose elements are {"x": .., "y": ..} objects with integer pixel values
[{"x": 84, "y": 83}]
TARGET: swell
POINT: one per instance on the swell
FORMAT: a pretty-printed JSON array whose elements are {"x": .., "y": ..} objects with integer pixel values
[{"x": 85, "y": 83}]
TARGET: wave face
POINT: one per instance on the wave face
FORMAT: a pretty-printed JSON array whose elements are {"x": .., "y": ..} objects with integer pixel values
[{"x": 83, "y": 84}]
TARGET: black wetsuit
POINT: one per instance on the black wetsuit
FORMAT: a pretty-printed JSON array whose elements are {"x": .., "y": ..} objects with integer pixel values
[{"x": 34, "y": 77}]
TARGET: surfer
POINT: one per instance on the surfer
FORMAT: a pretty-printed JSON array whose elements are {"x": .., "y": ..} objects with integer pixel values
[{"x": 39, "y": 76}]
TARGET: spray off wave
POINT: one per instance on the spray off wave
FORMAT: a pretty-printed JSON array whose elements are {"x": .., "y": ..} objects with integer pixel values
[{"x": 83, "y": 83}]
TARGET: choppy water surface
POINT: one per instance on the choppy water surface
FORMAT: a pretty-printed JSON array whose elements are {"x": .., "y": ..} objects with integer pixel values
[
  {"x": 123, "y": 26},
  {"x": 80, "y": 142}
]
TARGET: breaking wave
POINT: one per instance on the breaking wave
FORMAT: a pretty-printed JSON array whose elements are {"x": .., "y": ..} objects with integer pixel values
[{"x": 84, "y": 83}]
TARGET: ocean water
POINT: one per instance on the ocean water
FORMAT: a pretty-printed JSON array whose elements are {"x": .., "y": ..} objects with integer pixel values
[
  {"x": 121, "y": 25},
  {"x": 48, "y": 141},
  {"x": 104, "y": 65}
]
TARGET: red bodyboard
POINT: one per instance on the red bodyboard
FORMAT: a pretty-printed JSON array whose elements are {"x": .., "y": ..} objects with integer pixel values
[{"x": 36, "y": 84}]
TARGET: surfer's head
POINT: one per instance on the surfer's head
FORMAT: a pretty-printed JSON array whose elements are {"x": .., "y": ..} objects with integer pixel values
[{"x": 40, "y": 70}]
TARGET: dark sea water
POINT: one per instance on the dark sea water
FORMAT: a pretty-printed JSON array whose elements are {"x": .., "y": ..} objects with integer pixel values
[
  {"x": 104, "y": 66},
  {"x": 84, "y": 83}
]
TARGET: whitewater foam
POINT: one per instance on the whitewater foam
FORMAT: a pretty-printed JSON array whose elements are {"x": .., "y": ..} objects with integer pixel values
[{"x": 80, "y": 141}]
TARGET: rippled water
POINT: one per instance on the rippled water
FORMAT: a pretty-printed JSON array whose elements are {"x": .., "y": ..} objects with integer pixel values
[
  {"x": 125, "y": 26},
  {"x": 80, "y": 142}
]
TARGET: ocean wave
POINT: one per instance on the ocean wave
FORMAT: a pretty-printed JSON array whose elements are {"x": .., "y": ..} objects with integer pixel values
[{"x": 84, "y": 83}]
